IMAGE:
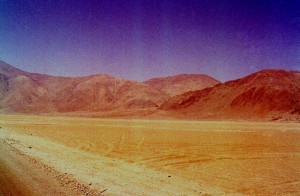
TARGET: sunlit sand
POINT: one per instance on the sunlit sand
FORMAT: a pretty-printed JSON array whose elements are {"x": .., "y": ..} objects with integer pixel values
[{"x": 153, "y": 157}]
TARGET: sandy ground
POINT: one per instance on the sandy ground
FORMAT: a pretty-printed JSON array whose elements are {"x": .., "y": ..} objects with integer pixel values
[
  {"x": 23, "y": 175},
  {"x": 79, "y": 156}
]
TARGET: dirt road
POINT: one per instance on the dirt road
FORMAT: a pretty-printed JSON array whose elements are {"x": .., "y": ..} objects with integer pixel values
[{"x": 23, "y": 175}]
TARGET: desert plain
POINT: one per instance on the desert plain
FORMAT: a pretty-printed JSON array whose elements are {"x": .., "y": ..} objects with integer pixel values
[{"x": 51, "y": 155}]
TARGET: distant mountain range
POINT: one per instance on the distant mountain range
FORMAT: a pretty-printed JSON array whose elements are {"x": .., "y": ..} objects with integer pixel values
[
  {"x": 265, "y": 95},
  {"x": 25, "y": 92}
]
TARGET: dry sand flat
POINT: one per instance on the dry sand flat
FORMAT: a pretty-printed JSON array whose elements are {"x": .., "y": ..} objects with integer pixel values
[
  {"x": 23, "y": 175},
  {"x": 151, "y": 157}
]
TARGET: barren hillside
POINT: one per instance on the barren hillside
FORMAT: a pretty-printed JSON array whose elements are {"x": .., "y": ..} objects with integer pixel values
[
  {"x": 175, "y": 85},
  {"x": 35, "y": 93},
  {"x": 265, "y": 95}
]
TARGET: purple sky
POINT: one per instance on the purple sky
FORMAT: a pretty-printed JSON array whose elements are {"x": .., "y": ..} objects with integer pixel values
[{"x": 139, "y": 40}]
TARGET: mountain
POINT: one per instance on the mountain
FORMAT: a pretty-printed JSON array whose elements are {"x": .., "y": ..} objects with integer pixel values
[
  {"x": 25, "y": 92},
  {"x": 179, "y": 84},
  {"x": 265, "y": 95}
]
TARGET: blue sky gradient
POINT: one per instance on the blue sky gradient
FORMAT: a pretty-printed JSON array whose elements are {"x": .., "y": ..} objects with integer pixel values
[{"x": 138, "y": 40}]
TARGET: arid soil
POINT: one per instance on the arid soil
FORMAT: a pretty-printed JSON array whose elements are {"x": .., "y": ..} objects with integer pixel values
[
  {"x": 147, "y": 157},
  {"x": 23, "y": 175}
]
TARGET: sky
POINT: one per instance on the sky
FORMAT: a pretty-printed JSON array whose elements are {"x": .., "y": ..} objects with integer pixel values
[{"x": 139, "y": 40}]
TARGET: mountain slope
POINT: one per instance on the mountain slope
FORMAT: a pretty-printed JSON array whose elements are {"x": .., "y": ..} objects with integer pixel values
[
  {"x": 175, "y": 85},
  {"x": 9, "y": 70},
  {"x": 265, "y": 95},
  {"x": 36, "y": 93}
]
